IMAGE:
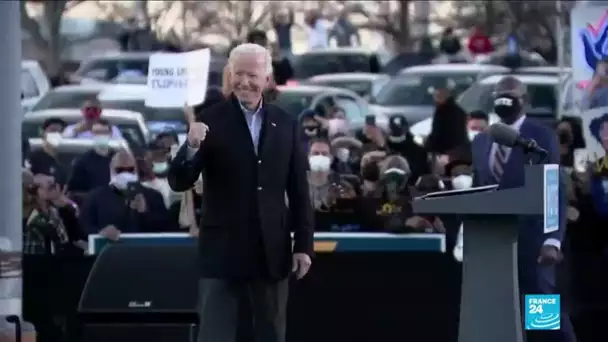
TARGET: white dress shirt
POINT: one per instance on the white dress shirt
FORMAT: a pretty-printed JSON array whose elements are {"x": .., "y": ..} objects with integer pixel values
[{"x": 517, "y": 126}]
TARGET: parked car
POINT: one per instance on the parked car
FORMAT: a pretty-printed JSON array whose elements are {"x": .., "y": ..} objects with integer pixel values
[
  {"x": 294, "y": 99},
  {"x": 125, "y": 67},
  {"x": 70, "y": 148},
  {"x": 107, "y": 67},
  {"x": 132, "y": 97},
  {"x": 131, "y": 124},
  {"x": 545, "y": 70},
  {"x": 34, "y": 83},
  {"x": 411, "y": 92},
  {"x": 335, "y": 61},
  {"x": 366, "y": 85},
  {"x": 68, "y": 96}
]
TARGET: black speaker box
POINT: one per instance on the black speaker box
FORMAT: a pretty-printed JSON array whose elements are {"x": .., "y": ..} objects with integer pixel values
[
  {"x": 148, "y": 279},
  {"x": 139, "y": 332}
]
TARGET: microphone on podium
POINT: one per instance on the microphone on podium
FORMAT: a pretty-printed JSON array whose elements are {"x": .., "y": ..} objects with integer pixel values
[{"x": 504, "y": 135}]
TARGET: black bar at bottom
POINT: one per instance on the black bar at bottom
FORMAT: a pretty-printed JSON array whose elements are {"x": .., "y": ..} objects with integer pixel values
[{"x": 490, "y": 303}]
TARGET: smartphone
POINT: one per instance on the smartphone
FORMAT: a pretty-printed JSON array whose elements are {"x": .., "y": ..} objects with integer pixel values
[{"x": 370, "y": 120}]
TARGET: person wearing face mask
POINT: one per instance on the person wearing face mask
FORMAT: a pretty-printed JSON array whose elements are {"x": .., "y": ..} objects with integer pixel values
[
  {"x": 538, "y": 253},
  {"x": 167, "y": 139},
  {"x": 332, "y": 196},
  {"x": 386, "y": 207},
  {"x": 91, "y": 114},
  {"x": 319, "y": 160},
  {"x": 91, "y": 169},
  {"x": 347, "y": 152},
  {"x": 401, "y": 141},
  {"x": 124, "y": 205},
  {"x": 44, "y": 160},
  {"x": 311, "y": 127},
  {"x": 370, "y": 172},
  {"x": 153, "y": 171}
]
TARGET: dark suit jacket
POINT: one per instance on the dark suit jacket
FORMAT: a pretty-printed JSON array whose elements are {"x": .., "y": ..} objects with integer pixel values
[
  {"x": 531, "y": 236},
  {"x": 244, "y": 212}
]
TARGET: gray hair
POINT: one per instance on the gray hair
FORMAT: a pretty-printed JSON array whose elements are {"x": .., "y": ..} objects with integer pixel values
[{"x": 251, "y": 49}]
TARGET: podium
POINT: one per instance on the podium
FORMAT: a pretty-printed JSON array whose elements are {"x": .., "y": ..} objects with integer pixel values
[{"x": 490, "y": 299}]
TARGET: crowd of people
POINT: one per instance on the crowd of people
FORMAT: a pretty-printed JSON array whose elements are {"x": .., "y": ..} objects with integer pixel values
[{"x": 359, "y": 181}]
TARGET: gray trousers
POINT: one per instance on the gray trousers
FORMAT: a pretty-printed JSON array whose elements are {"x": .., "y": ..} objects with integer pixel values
[{"x": 223, "y": 302}]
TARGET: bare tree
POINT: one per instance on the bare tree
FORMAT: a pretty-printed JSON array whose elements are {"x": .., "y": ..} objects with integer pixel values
[
  {"x": 44, "y": 29},
  {"x": 390, "y": 17},
  {"x": 236, "y": 18}
]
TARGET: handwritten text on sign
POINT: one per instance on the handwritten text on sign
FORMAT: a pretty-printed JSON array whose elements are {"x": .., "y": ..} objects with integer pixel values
[
  {"x": 169, "y": 78},
  {"x": 175, "y": 79}
]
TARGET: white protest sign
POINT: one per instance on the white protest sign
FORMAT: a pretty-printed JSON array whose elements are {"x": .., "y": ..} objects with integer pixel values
[{"x": 177, "y": 78}]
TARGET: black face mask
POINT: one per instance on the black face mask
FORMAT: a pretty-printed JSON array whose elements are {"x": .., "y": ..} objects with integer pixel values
[
  {"x": 370, "y": 172},
  {"x": 508, "y": 108}
]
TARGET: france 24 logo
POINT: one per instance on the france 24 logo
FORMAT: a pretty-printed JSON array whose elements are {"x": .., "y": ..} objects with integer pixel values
[{"x": 542, "y": 312}]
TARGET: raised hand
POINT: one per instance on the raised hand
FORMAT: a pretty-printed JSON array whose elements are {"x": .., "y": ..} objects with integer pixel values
[{"x": 197, "y": 131}]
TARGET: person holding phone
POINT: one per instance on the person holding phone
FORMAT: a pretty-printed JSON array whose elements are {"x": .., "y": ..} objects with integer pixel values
[{"x": 371, "y": 135}]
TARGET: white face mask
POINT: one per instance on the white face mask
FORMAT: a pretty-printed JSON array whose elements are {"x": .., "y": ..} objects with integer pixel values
[
  {"x": 335, "y": 126},
  {"x": 319, "y": 163},
  {"x": 462, "y": 182},
  {"x": 53, "y": 138},
  {"x": 101, "y": 141},
  {"x": 122, "y": 180},
  {"x": 397, "y": 139},
  {"x": 343, "y": 154}
]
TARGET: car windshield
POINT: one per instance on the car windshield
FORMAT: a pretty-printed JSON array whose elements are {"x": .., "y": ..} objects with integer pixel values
[
  {"x": 418, "y": 90},
  {"x": 29, "y": 88},
  {"x": 57, "y": 99},
  {"x": 130, "y": 132},
  {"x": 149, "y": 113},
  {"x": 542, "y": 98},
  {"x": 108, "y": 69},
  {"x": 361, "y": 87},
  {"x": 294, "y": 102},
  {"x": 67, "y": 154},
  {"x": 313, "y": 64}
]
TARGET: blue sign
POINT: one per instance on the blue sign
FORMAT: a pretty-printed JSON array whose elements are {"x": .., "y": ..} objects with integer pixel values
[
  {"x": 542, "y": 312},
  {"x": 551, "y": 198},
  {"x": 324, "y": 242}
]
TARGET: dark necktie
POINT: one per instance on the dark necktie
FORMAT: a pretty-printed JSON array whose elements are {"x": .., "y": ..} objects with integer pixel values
[{"x": 500, "y": 160}]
